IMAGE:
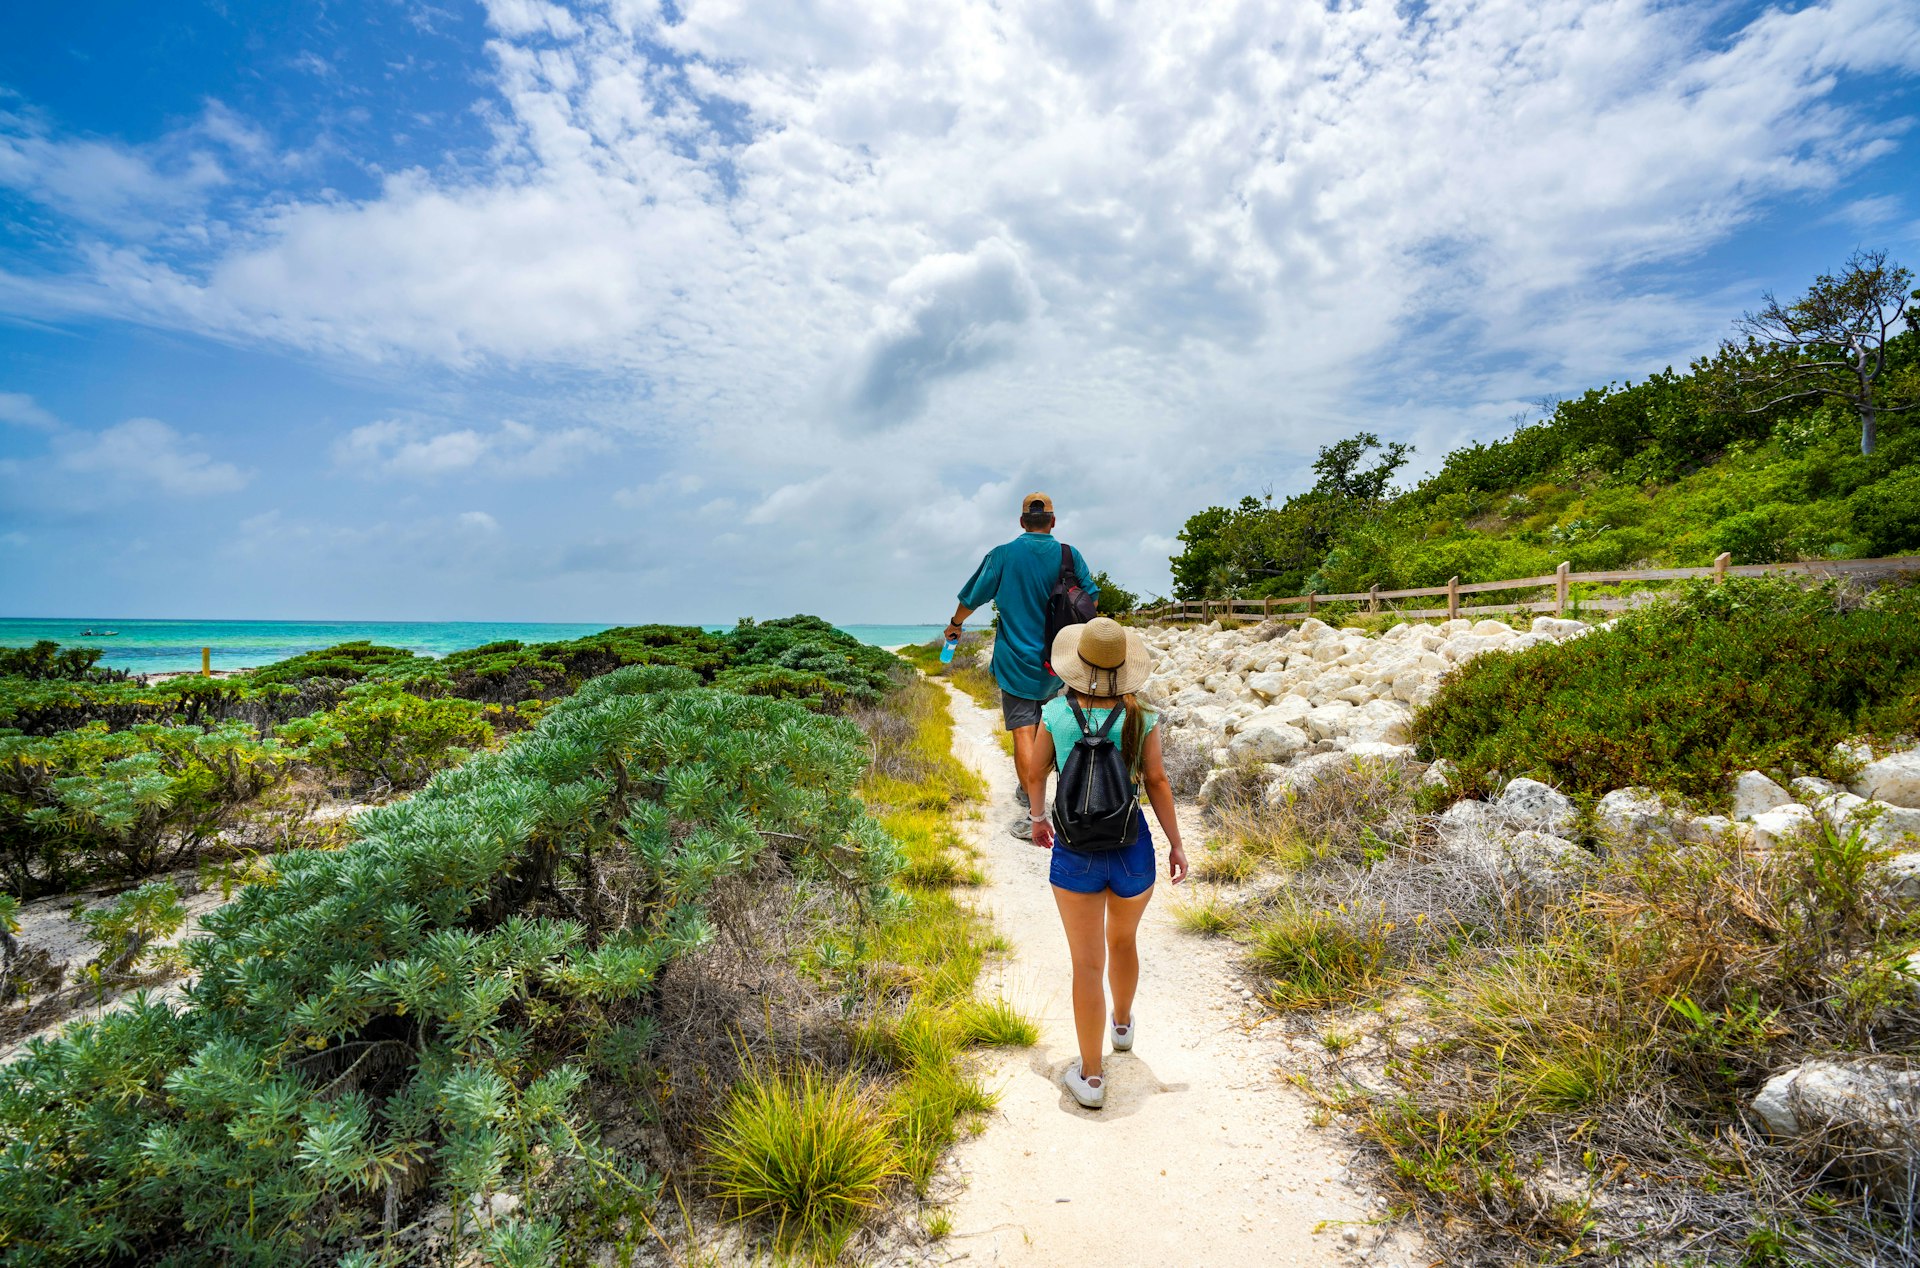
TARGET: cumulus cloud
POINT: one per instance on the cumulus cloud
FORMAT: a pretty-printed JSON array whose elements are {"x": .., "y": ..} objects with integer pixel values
[
  {"x": 928, "y": 253},
  {"x": 412, "y": 448},
  {"x": 948, "y": 314},
  {"x": 23, "y": 411},
  {"x": 145, "y": 453}
]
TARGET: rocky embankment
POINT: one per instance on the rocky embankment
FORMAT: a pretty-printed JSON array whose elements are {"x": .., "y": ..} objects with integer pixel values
[
  {"x": 1276, "y": 695},
  {"x": 1272, "y": 707}
]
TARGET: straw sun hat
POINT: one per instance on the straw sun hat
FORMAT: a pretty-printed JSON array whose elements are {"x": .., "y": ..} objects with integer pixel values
[{"x": 1101, "y": 658}]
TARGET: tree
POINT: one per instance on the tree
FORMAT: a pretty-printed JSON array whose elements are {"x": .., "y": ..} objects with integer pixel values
[
  {"x": 1341, "y": 476},
  {"x": 1257, "y": 548},
  {"x": 1115, "y": 599},
  {"x": 1830, "y": 344}
]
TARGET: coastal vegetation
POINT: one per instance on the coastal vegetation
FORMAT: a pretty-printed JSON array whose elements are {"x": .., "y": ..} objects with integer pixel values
[
  {"x": 1751, "y": 674},
  {"x": 1757, "y": 451},
  {"x": 1551, "y": 1043},
  {"x": 676, "y": 892}
]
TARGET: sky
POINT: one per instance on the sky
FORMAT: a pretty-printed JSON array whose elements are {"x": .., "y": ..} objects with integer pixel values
[{"x": 636, "y": 310}]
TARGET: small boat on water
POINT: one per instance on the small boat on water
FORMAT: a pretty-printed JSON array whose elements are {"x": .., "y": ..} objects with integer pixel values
[{"x": 99, "y": 633}]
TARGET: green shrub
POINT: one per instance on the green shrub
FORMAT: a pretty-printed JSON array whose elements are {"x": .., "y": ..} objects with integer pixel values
[
  {"x": 385, "y": 737},
  {"x": 46, "y": 659},
  {"x": 1752, "y": 674},
  {"x": 99, "y": 804},
  {"x": 416, "y": 1007},
  {"x": 126, "y": 927},
  {"x": 1887, "y": 514}
]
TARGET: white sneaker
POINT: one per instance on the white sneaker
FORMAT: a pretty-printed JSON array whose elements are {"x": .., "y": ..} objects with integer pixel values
[
  {"x": 1122, "y": 1036},
  {"x": 1091, "y": 1093}
]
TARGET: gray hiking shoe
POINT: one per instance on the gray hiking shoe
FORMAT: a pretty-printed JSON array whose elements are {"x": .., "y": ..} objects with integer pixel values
[
  {"x": 1020, "y": 795},
  {"x": 1021, "y": 826}
]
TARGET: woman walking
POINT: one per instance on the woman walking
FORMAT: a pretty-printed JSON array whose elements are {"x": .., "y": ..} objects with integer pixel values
[{"x": 1103, "y": 895}]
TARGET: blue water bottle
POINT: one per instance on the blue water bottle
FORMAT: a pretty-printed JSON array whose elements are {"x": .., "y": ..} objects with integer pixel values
[{"x": 946, "y": 650}]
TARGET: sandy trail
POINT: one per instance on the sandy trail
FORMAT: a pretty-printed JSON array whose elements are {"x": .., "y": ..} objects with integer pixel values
[{"x": 1202, "y": 1156}]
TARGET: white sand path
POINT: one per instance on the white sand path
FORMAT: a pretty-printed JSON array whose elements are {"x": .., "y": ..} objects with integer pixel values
[{"x": 1202, "y": 1156}]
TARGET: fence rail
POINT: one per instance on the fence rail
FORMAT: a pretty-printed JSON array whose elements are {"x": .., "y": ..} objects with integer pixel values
[{"x": 1562, "y": 579}]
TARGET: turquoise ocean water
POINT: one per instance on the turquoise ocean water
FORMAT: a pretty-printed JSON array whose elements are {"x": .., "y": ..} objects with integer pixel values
[{"x": 146, "y": 647}]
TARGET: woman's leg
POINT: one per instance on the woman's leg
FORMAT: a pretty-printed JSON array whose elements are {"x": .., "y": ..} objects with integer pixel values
[
  {"x": 1123, "y": 951},
  {"x": 1084, "y": 916}
]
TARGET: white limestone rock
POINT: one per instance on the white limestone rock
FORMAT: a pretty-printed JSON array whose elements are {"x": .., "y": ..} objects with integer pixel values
[
  {"x": 1490, "y": 628},
  {"x": 1466, "y": 820},
  {"x": 1635, "y": 812},
  {"x": 1782, "y": 824},
  {"x": 1530, "y": 804},
  {"x": 1305, "y": 772},
  {"x": 1755, "y": 794},
  {"x": 1865, "y": 1114},
  {"x": 1268, "y": 685},
  {"x": 1329, "y": 720},
  {"x": 1267, "y": 740},
  {"x": 1437, "y": 774},
  {"x": 1854, "y": 752},
  {"x": 1380, "y": 751},
  {"x": 1903, "y": 870},
  {"x": 1894, "y": 779},
  {"x": 1557, "y": 627}
]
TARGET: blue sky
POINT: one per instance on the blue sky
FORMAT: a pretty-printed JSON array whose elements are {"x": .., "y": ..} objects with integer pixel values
[{"x": 629, "y": 310}]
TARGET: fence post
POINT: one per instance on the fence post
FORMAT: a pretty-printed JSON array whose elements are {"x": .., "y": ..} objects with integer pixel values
[
  {"x": 1266, "y": 608},
  {"x": 1309, "y": 605},
  {"x": 206, "y": 662},
  {"x": 1560, "y": 589},
  {"x": 1453, "y": 598},
  {"x": 1720, "y": 563},
  {"x": 1373, "y": 600}
]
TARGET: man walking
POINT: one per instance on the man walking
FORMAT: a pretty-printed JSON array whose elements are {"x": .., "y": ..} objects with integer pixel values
[{"x": 1017, "y": 579}]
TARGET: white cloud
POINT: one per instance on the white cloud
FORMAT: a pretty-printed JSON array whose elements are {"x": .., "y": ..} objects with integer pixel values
[
  {"x": 479, "y": 521},
  {"x": 410, "y": 448},
  {"x": 901, "y": 260},
  {"x": 948, "y": 314},
  {"x": 23, "y": 411},
  {"x": 146, "y": 453}
]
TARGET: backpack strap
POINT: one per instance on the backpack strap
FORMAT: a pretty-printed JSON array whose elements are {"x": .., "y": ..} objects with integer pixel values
[
  {"x": 1113, "y": 714},
  {"x": 1067, "y": 579}
]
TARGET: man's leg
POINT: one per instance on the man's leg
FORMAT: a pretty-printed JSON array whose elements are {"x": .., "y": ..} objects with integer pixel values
[
  {"x": 1022, "y": 720},
  {"x": 1024, "y": 740}
]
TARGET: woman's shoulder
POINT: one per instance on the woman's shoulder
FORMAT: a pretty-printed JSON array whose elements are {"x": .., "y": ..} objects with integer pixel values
[{"x": 1056, "y": 709}]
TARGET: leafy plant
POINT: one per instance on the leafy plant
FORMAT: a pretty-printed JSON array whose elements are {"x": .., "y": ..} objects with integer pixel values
[
  {"x": 385, "y": 737},
  {"x": 1752, "y": 674},
  {"x": 94, "y": 803}
]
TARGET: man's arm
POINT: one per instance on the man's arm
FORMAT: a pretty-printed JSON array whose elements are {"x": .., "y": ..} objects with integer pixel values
[{"x": 979, "y": 590}]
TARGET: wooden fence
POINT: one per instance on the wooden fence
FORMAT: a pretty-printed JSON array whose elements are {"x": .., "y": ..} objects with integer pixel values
[{"x": 1562, "y": 579}]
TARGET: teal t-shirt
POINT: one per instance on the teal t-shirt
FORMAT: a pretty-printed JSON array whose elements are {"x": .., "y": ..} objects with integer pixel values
[
  {"x": 1016, "y": 578},
  {"x": 1057, "y": 717}
]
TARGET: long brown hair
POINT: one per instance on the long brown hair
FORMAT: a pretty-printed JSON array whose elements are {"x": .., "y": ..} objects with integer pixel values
[{"x": 1133, "y": 731}]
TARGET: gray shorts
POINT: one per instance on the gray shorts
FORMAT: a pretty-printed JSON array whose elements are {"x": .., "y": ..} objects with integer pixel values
[{"x": 1018, "y": 711}]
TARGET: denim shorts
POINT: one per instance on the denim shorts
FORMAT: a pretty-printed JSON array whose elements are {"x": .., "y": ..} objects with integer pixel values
[{"x": 1127, "y": 872}]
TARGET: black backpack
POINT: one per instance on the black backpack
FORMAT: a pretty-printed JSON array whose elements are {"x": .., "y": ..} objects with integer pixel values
[
  {"x": 1094, "y": 805},
  {"x": 1067, "y": 604}
]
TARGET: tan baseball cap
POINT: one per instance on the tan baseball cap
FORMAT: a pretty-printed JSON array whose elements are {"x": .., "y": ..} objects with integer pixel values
[{"x": 1036, "y": 504}]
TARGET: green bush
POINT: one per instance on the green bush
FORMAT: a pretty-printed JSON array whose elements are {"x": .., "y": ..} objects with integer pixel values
[
  {"x": 47, "y": 659},
  {"x": 97, "y": 804},
  {"x": 383, "y": 736},
  {"x": 1755, "y": 673},
  {"x": 1887, "y": 514},
  {"x": 417, "y": 1007}
]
